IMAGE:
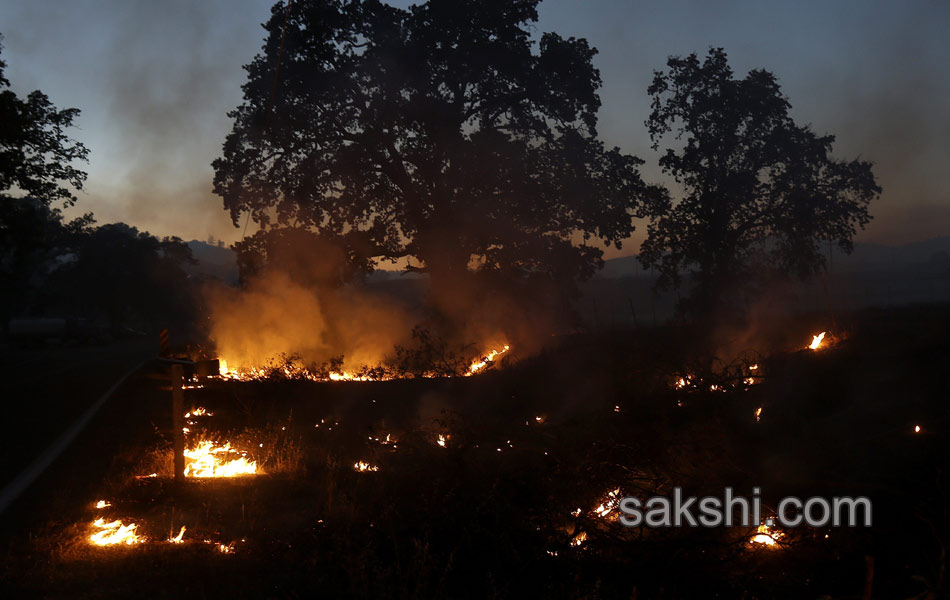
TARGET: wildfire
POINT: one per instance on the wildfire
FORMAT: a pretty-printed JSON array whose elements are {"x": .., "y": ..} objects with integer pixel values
[
  {"x": 362, "y": 467},
  {"x": 816, "y": 341},
  {"x": 766, "y": 537},
  {"x": 579, "y": 539},
  {"x": 208, "y": 460},
  {"x": 296, "y": 370},
  {"x": 103, "y": 504},
  {"x": 178, "y": 538},
  {"x": 114, "y": 533},
  {"x": 611, "y": 502},
  {"x": 481, "y": 363}
]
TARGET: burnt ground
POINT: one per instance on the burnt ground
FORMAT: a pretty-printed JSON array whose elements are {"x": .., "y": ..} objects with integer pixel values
[{"x": 492, "y": 513}]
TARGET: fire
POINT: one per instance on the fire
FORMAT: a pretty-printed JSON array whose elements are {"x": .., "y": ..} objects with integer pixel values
[
  {"x": 758, "y": 413},
  {"x": 579, "y": 539},
  {"x": 103, "y": 504},
  {"x": 296, "y": 370},
  {"x": 481, "y": 363},
  {"x": 611, "y": 502},
  {"x": 114, "y": 533},
  {"x": 208, "y": 460},
  {"x": 347, "y": 376},
  {"x": 916, "y": 428},
  {"x": 178, "y": 538},
  {"x": 362, "y": 467},
  {"x": 441, "y": 440},
  {"x": 766, "y": 537},
  {"x": 816, "y": 341}
]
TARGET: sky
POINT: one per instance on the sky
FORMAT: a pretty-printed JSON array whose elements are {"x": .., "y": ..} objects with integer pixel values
[{"x": 155, "y": 79}]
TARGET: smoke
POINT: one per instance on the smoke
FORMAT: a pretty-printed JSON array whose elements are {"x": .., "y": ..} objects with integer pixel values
[
  {"x": 275, "y": 316},
  {"x": 280, "y": 313}
]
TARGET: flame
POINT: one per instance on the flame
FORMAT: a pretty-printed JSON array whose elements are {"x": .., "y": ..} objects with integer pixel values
[
  {"x": 103, "y": 504},
  {"x": 441, "y": 440},
  {"x": 816, "y": 341},
  {"x": 766, "y": 537},
  {"x": 295, "y": 370},
  {"x": 916, "y": 428},
  {"x": 758, "y": 413},
  {"x": 362, "y": 467},
  {"x": 579, "y": 539},
  {"x": 479, "y": 364},
  {"x": 177, "y": 539},
  {"x": 208, "y": 460},
  {"x": 607, "y": 506},
  {"x": 113, "y": 533}
]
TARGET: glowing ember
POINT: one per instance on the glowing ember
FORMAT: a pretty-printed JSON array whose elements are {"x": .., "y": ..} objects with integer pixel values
[
  {"x": 611, "y": 502},
  {"x": 103, "y": 504},
  {"x": 362, "y": 467},
  {"x": 816, "y": 341},
  {"x": 766, "y": 537},
  {"x": 480, "y": 364},
  {"x": 178, "y": 538},
  {"x": 579, "y": 539},
  {"x": 384, "y": 441},
  {"x": 198, "y": 412},
  {"x": 114, "y": 533},
  {"x": 208, "y": 460}
]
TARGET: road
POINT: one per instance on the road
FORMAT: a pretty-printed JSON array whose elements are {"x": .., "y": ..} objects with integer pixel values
[{"x": 43, "y": 391}]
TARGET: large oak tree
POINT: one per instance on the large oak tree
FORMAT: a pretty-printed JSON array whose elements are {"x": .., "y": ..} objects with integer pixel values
[
  {"x": 762, "y": 194},
  {"x": 445, "y": 134}
]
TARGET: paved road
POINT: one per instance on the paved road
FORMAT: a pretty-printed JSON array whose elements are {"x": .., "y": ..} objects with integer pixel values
[{"x": 44, "y": 390}]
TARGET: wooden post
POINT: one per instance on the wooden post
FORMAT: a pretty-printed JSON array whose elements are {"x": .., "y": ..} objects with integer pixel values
[{"x": 178, "y": 418}]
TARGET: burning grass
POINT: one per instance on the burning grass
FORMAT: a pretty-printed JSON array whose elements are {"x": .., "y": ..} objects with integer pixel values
[{"x": 335, "y": 496}]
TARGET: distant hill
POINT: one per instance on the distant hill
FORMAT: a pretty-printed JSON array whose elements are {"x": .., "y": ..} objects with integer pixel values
[
  {"x": 214, "y": 261},
  {"x": 931, "y": 256},
  {"x": 928, "y": 257}
]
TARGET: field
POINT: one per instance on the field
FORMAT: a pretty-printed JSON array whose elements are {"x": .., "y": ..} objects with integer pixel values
[{"x": 507, "y": 483}]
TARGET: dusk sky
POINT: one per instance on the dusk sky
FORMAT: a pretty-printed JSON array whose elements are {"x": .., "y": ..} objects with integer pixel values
[{"x": 154, "y": 81}]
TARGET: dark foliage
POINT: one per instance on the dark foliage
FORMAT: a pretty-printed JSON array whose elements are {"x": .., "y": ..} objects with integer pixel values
[
  {"x": 441, "y": 133},
  {"x": 761, "y": 193}
]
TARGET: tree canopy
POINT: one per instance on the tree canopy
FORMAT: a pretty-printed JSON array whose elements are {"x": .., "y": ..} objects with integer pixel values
[
  {"x": 761, "y": 193},
  {"x": 445, "y": 134},
  {"x": 36, "y": 155},
  {"x": 37, "y": 178}
]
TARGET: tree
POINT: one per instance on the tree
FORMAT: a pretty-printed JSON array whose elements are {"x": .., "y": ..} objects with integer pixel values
[
  {"x": 36, "y": 155},
  {"x": 760, "y": 192},
  {"x": 36, "y": 174},
  {"x": 443, "y": 134},
  {"x": 129, "y": 278}
]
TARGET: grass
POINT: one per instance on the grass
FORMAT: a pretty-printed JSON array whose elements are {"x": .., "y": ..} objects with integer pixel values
[{"x": 490, "y": 514}]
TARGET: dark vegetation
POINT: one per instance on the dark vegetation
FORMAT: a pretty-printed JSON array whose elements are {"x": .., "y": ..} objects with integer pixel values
[{"x": 491, "y": 513}]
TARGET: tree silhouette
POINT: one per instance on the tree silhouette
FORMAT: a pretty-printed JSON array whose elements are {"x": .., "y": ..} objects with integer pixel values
[
  {"x": 442, "y": 133},
  {"x": 36, "y": 174},
  {"x": 761, "y": 193},
  {"x": 35, "y": 152}
]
